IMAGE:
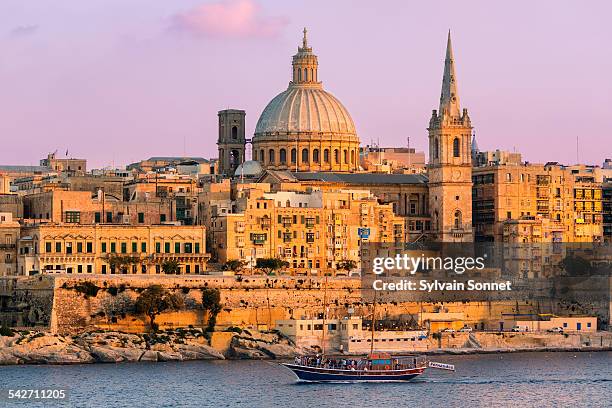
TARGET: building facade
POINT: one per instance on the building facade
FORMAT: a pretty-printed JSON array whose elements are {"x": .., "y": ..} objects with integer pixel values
[{"x": 112, "y": 249}]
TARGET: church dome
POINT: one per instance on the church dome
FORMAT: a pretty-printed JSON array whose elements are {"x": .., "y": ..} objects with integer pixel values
[
  {"x": 305, "y": 109},
  {"x": 250, "y": 168},
  {"x": 306, "y": 128}
]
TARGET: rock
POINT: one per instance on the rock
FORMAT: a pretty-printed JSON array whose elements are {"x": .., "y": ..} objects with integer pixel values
[
  {"x": 248, "y": 354},
  {"x": 278, "y": 351},
  {"x": 7, "y": 358},
  {"x": 169, "y": 356},
  {"x": 104, "y": 354},
  {"x": 198, "y": 352},
  {"x": 149, "y": 355}
]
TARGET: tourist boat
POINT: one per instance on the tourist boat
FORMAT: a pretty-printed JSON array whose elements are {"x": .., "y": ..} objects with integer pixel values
[{"x": 376, "y": 367}]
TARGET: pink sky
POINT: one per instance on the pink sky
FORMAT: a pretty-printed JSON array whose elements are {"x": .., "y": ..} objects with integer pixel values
[{"x": 116, "y": 81}]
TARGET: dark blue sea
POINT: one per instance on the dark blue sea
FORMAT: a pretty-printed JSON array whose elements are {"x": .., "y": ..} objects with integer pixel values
[{"x": 495, "y": 380}]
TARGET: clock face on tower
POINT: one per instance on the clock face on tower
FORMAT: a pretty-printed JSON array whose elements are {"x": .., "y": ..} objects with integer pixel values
[{"x": 456, "y": 175}]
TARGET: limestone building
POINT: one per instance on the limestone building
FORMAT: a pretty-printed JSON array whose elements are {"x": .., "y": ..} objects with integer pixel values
[
  {"x": 450, "y": 162},
  {"x": 9, "y": 235},
  {"x": 312, "y": 230},
  {"x": 111, "y": 249},
  {"x": 305, "y": 128}
]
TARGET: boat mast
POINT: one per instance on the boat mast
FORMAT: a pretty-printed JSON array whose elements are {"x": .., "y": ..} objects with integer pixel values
[
  {"x": 373, "y": 323},
  {"x": 324, "y": 314}
]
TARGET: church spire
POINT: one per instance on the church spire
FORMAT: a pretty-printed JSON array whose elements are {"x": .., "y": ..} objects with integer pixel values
[
  {"x": 449, "y": 99},
  {"x": 305, "y": 40}
]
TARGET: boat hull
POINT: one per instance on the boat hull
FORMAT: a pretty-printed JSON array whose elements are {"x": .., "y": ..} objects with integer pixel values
[{"x": 317, "y": 374}]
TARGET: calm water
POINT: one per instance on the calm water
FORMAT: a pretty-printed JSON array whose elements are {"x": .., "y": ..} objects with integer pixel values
[{"x": 518, "y": 380}]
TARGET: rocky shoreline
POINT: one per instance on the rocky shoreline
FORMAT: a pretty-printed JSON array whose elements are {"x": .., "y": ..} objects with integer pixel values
[{"x": 39, "y": 347}]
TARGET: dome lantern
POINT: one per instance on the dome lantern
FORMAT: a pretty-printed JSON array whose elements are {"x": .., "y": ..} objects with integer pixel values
[{"x": 305, "y": 65}]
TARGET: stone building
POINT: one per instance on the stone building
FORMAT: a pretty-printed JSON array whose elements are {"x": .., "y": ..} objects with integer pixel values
[
  {"x": 81, "y": 207},
  {"x": 9, "y": 235},
  {"x": 306, "y": 128},
  {"x": 64, "y": 165},
  {"x": 312, "y": 230},
  {"x": 571, "y": 199},
  {"x": 111, "y": 249}
]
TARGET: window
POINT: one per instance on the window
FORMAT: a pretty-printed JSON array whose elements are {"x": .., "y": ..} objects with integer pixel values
[
  {"x": 456, "y": 148},
  {"x": 293, "y": 155},
  {"x": 326, "y": 155},
  {"x": 234, "y": 132},
  {"x": 80, "y": 268},
  {"x": 188, "y": 247},
  {"x": 345, "y": 156},
  {"x": 104, "y": 269},
  {"x": 458, "y": 221},
  {"x": 157, "y": 247},
  {"x": 143, "y": 247},
  {"x": 89, "y": 268},
  {"x": 113, "y": 247},
  {"x": 141, "y": 218},
  {"x": 271, "y": 158},
  {"x": 167, "y": 247},
  {"x": 97, "y": 218},
  {"x": 68, "y": 247},
  {"x": 197, "y": 248},
  {"x": 134, "y": 246},
  {"x": 304, "y": 155},
  {"x": 352, "y": 157},
  {"x": 79, "y": 247},
  {"x": 104, "y": 247},
  {"x": 58, "y": 247},
  {"x": 177, "y": 248},
  {"x": 336, "y": 156},
  {"x": 47, "y": 247},
  {"x": 89, "y": 247},
  {"x": 162, "y": 217},
  {"x": 73, "y": 217},
  {"x": 283, "y": 156},
  {"x": 315, "y": 155},
  {"x": 109, "y": 217}
]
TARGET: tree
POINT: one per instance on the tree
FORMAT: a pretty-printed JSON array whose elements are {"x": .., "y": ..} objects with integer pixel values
[
  {"x": 346, "y": 265},
  {"x": 171, "y": 267},
  {"x": 234, "y": 265},
  {"x": 121, "y": 262},
  {"x": 269, "y": 265},
  {"x": 211, "y": 301},
  {"x": 154, "y": 300}
]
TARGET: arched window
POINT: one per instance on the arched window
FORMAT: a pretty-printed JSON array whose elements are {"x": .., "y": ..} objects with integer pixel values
[
  {"x": 283, "y": 156},
  {"x": 304, "y": 155},
  {"x": 336, "y": 156},
  {"x": 456, "y": 149},
  {"x": 271, "y": 157},
  {"x": 315, "y": 155},
  {"x": 261, "y": 156},
  {"x": 312, "y": 78},
  {"x": 326, "y": 155},
  {"x": 299, "y": 74},
  {"x": 436, "y": 149},
  {"x": 293, "y": 155},
  {"x": 458, "y": 221},
  {"x": 221, "y": 154},
  {"x": 234, "y": 132},
  {"x": 345, "y": 156},
  {"x": 352, "y": 157},
  {"x": 305, "y": 74}
]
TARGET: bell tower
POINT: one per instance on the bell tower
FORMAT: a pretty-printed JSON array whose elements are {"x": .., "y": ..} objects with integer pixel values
[
  {"x": 231, "y": 142},
  {"x": 450, "y": 162}
]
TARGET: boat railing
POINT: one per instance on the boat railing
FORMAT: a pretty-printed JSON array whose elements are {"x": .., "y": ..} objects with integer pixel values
[{"x": 358, "y": 365}]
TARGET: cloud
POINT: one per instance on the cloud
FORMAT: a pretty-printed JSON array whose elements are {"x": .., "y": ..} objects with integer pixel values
[
  {"x": 23, "y": 31},
  {"x": 229, "y": 19}
]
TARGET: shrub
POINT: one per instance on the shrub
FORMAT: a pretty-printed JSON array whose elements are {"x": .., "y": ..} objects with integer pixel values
[{"x": 6, "y": 331}]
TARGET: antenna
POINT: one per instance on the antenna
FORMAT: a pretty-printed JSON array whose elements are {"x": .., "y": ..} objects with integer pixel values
[{"x": 408, "y": 143}]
